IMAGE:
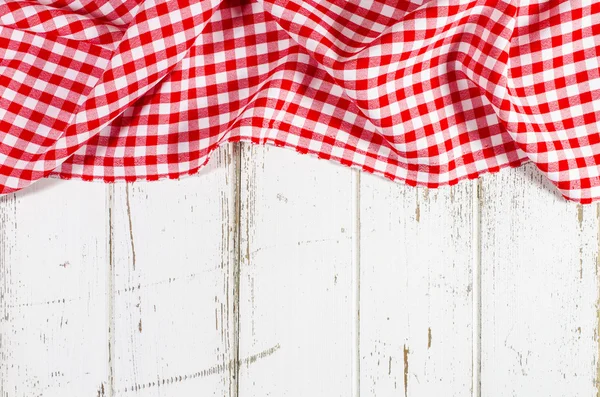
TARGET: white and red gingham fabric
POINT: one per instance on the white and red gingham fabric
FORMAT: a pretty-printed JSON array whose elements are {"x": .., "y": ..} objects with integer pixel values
[{"x": 426, "y": 92}]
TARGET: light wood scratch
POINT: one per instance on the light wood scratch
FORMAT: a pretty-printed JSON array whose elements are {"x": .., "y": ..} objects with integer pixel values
[
  {"x": 130, "y": 224},
  {"x": 406, "y": 351},
  {"x": 265, "y": 353},
  {"x": 214, "y": 370}
]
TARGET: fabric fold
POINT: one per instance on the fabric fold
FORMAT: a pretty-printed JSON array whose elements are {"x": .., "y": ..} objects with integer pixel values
[{"x": 428, "y": 93}]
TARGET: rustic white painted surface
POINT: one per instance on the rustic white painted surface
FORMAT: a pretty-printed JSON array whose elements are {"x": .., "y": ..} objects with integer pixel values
[
  {"x": 172, "y": 255},
  {"x": 272, "y": 273},
  {"x": 54, "y": 290},
  {"x": 296, "y": 284},
  {"x": 416, "y": 289},
  {"x": 539, "y": 253}
]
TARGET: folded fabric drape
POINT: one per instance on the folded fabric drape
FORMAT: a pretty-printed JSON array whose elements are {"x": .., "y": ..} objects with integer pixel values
[{"x": 424, "y": 92}]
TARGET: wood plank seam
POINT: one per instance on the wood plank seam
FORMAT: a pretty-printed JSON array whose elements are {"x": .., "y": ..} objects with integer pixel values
[
  {"x": 5, "y": 202},
  {"x": 111, "y": 293},
  {"x": 237, "y": 167},
  {"x": 597, "y": 380},
  {"x": 356, "y": 278},
  {"x": 476, "y": 233}
]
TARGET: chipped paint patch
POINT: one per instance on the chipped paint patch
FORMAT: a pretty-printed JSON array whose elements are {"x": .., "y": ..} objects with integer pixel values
[
  {"x": 429, "y": 337},
  {"x": 282, "y": 198},
  {"x": 418, "y": 212}
]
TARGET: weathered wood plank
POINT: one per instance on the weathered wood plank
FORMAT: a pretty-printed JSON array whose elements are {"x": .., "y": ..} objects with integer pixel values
[
  {"x": 297, "y": 320},
  {"x": 539, "y": 289},
  {"x": 53, "y": 290},
  {"x": 416, "y": 292},
  {"x": 173, "y": 258}
]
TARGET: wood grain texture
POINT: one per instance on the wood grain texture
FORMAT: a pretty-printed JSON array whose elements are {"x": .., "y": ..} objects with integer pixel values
[
  {"x": 296, "y": 276},
  {"x": 539, "y": 288},
  {"x": 53, "y": 290},
  {"x": 173, "y": 259},
  {"x": 416, "y": 301}
]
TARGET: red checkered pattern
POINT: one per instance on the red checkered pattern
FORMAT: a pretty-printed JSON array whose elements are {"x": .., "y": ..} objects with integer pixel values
[{"x": 423, "y": 91}]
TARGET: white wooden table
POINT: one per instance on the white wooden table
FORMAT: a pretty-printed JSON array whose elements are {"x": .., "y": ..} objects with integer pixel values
[{"x": 276, "y": 274}]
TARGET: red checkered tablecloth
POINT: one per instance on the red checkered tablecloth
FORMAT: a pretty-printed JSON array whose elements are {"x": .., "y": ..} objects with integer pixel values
[{"x": 424, "y": 92}]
